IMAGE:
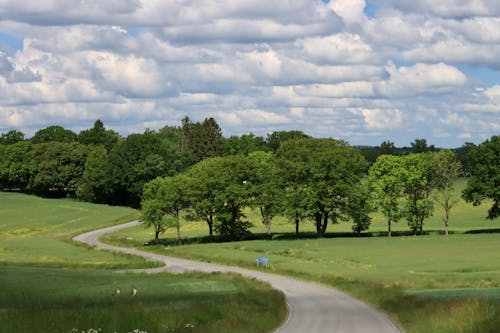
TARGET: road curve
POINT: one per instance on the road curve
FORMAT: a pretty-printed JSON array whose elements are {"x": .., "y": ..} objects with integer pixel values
[{"x": 312, "y": 307}]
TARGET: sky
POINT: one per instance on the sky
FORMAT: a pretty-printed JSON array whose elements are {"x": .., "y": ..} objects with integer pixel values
[{"x": 362, "y": 71}]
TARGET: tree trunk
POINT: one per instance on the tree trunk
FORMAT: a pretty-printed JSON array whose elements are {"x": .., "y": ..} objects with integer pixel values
[
  {"x": 297, "y": 220},
  {"x": 446, "y": 218},
  {"x": 321, "y": 224},
  {"x": 389, "y": 232},
  {"x": 178, "y": 227},
  {"x": 210, "y": 223},
  {"x": 157, "y": 236}
]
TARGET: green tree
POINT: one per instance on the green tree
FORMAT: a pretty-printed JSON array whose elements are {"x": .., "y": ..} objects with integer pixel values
[
  {"x": 385, "y": 179},
  {"x": 275, "y": 139},
  {"x": 202, "y": 139},
  {"x": 446, "y": 170},
  {"x": 11, "y": 137},
  {"x": 421, "y": 146},
  {"x": 219, "y": 191},
  {"x": 54, "y": 133},
  {"x": 93, "y": 184},
  {"x": 360, "y": 209},
  {"x": 484, "y": 181},
  {"x": 60, "y": 167},
  {"x": 98, "y": 135},
  {"x": 330, "y": 169},
  {"x": 417, "y": 181},
  {"x": 17, "y": 167},
  {"x": 387, "y": 148},
  {"x": 267, "y": 187},
  {"x": 244, "y": 145},
  {"x": 136, "y": 160},
  {"x": 154, "y": 208}
]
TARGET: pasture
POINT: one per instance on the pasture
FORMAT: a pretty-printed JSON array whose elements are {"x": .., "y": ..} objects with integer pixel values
[
  {"x": 68, "y": 301},
  {"x": 60, "y": 294},
  {"x": 36, "y": 231},
  {"x": 429, "y": 283}
]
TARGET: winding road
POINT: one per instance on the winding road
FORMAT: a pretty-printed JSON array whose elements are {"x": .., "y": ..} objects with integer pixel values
[{"x": 313, "y": 308}]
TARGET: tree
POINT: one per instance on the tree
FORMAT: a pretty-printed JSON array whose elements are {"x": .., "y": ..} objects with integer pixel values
[
  {"x": 360, "y": 209},
  {"x": 11, "y": 137},
  {"x": 267, "y": 187},
  {"x": 385, "y": 179},
  {"x": 54, "y": 133},
  {"x": 330, "y": 169},
  {"x": 275, "y": 139},
  {"x": 446, "y": 170},
  {"x": 93, "y": 184},
  {"x": 387, "y": 148},
  {"x": 98, "y": 135},
  {"x": 136, "y": 160},
  {"x": 417, "y": 181},
  {"x": 484, "y": 181},
  {"x": 17, "y": 167},
  {"x": 153, "y": 208},
  {"x": 219, "y": 191},
  {"x": 244, "y": 145},
  {"x": 202, "y": 139},
  {"x": 420, "y": 146},
  {"x": 60, "y": 167}
]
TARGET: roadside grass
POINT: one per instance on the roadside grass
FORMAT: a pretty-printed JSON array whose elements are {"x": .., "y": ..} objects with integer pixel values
[
  {"x": 68, "y": 301},
  {"x": 38, "y": 232}
]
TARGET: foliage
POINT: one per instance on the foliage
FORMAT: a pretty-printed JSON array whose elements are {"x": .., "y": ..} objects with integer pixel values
[
  {"x": 446, "y": 170},
  {"x": 417, "y": 185},
  {"x": 11, "y": 137},
  {"x": 330, "y": 169},
  {"x": 276, "y": 138},
  {"x": 244, "y": 144},
  {"x": 267, "y": 187},
  {"x": 135, "y": 161},
  {"x": 17, "y": 166},
  {"x": 54, "y": 133},
  {"x": 385, "y": 179},
  {"x": 421, "y": 146},
  {"x": 59, "y": 167},
  {"x": 485, "y": 175},
  {"x": 203, "y": 140},
  {"x": 93, "y": 183},
  {"x": 98, "y": 135}
]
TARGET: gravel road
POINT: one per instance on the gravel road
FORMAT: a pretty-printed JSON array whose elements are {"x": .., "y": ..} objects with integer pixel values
[{"x": 313, "y": 308}]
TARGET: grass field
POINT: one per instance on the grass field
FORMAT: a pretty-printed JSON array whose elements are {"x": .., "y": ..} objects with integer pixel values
[
  {"x": 36, "y": 231},
  {"x": 64, "y": 301},
  {"x": 60, "y": 299},
  {"x": 428, "y": 283}
]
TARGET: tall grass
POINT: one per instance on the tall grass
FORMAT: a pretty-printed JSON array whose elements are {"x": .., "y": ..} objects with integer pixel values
[{"x": 53, "y": 300}]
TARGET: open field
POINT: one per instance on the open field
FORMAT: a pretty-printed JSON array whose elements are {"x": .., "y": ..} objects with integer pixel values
[
  {"x": 53, "y": 300},
  {"x": 36, "y": 231},
  {"x": 427, "y": 283}
]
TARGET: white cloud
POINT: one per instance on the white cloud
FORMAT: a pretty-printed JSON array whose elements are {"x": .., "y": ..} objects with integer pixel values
[
  {"x": 380, "y": 119},
  {"x": 325, "y": 68}
]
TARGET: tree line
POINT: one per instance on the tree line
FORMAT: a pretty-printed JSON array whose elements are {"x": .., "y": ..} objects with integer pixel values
[{"x": 193, "y": 168}]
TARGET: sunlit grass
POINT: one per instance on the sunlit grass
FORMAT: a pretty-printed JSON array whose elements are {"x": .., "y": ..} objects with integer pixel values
[{"x": 36, "y": 231}]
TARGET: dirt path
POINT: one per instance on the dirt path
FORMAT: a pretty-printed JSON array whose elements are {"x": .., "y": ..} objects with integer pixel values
[{"x": 313, "y": 308}]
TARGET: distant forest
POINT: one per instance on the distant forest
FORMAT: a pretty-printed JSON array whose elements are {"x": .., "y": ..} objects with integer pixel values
[{"x": 98, "y": 165}]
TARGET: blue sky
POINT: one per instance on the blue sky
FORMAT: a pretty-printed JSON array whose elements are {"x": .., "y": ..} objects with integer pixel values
[{"x": 362, "y": 71}]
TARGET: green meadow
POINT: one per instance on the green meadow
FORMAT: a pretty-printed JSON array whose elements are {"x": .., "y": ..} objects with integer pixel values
[
  {"x": 36, "y": 231},
  {"x": 430, "y": 283},
  {"x": 68, "y": 301},
  {"x": 49, "y": 284}
]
